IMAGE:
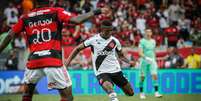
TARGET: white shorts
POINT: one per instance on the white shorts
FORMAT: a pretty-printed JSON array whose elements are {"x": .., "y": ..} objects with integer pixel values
[{"x": 58, "y": 77}]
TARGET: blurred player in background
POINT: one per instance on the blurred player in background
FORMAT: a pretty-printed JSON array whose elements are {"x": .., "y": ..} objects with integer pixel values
[
  {"x": 105, "y": 64},
  {"x": 43, "y": 27},
  {"x": 148, "y": 63}
]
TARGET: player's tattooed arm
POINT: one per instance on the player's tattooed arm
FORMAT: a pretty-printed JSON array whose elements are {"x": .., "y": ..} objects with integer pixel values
[
  {"x": 122, "y": 56},
  {"x": 81, "y": 18},
  {"x": 74, "y": 53},
  {"x": 6, "y": 41}
]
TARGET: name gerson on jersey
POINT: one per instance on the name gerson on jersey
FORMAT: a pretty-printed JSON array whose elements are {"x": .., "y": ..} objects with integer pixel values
[
  {"x": 104, "y": 54},
  {"x": 44, "y": 22},
  {"x": 43, "y": 34}
]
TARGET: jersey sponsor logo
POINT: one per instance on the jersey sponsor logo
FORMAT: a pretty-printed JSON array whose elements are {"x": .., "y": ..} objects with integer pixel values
[
  {"x": 104, "y": 52},
  {"x": 66, "y": 13},
  {"x": 42, "y": 53},
  {"x": 45, "y": 54},
  {"x": 40, "y": 12}
]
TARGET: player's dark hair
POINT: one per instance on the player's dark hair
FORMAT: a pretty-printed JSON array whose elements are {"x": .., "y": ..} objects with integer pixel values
[
  {"x": 106, "y": 24},
  {"x": 43, "y": 2}
]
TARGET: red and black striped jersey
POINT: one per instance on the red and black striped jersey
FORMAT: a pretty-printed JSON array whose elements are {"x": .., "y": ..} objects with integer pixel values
[{"x": 43, "y": 34}]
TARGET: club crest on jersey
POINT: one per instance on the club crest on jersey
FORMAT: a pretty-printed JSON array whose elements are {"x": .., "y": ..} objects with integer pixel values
[{"x": 111, "y": 45}]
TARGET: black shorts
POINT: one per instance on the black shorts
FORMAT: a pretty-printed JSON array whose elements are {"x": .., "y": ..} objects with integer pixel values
[{"x": 115, "y": 78}]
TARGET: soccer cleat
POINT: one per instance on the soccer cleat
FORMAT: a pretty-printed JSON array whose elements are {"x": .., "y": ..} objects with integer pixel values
[
  {"x": 142, "y": 96},
  {"x": 113, "y": 97},
  {"x": 158, "y": 95}
]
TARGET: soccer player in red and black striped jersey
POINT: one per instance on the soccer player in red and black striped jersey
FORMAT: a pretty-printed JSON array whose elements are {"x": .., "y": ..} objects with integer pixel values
[{"x": 43, "y": 27}]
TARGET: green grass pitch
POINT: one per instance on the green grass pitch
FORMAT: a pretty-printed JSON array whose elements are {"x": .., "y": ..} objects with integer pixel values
[{"x": 178, "y": 97}]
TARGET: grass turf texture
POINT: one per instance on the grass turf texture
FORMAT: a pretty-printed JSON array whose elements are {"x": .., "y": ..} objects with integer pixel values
[{"x": 191, "y": 97}]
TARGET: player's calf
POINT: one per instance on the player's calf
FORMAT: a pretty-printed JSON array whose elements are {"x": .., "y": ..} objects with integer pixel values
[
  {"x": 69, "y": 98},
  {"x": 28, "y": 92},
  {"x": 66, "y": 94},
  {"x": 128, "y": 90},
  {"x": 108, "y": 87}
]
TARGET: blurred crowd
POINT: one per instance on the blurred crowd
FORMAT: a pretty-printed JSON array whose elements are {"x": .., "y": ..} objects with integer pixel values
[{"x": 175, "y": 24}]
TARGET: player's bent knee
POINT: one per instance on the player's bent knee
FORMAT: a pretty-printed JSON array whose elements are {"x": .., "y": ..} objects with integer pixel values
[
  {"x": 107, "y": 84},
  {"x": 108, "y": 87}
]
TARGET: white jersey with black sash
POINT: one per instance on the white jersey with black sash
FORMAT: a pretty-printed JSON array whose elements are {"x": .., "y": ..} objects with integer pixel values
[{"x": 104, "y": 54}]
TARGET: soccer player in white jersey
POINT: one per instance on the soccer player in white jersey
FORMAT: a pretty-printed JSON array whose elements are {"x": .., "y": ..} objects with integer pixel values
[
  {"x": 105, "y": 64},
  {"x": 148, "y": 63}
]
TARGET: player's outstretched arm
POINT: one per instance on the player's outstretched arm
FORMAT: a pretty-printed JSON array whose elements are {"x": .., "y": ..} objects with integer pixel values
[
  {"x": 81, "y": 18},
  {"x": 74, "y": 53},
  {"x": 6, "y": 41}
]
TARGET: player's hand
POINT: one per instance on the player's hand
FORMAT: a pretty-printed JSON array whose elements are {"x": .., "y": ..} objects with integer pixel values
[{"x": 148, "y": 59}]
